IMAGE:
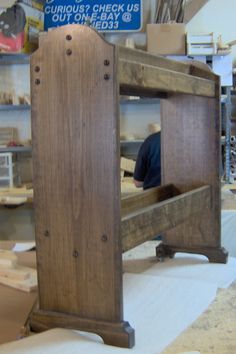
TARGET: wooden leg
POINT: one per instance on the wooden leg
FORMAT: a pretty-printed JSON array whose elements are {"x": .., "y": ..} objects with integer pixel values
[
  {"x": 118, "y": 334},
  {"x": 215, "y": 255}
]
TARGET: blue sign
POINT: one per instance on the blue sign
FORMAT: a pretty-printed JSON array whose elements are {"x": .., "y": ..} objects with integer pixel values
[{"x": 104, "y": 15}]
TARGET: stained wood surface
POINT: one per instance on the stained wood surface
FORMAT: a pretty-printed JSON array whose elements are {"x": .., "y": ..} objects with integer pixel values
[
  {"x": 146, "y": 58},
  {"x": 76, "y": 174},
  {"x": 113, "y": 333},
  {"x": 143, "y": 78},
  {"x": 130, "y": 204},
  {"x": 146, "y": 223},
  {"x": 75, "y": 79},
  {"x": 191, "y": 157}
]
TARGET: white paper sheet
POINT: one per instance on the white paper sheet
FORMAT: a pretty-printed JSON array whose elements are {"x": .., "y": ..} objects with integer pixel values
[
  {"x": 23, "y": 246},
  {"x": 228, "y": 230},
  {"x": 196, "y": 267},
  {"x": 160, "y": 303},
  {"x": 158, "y": 308}
]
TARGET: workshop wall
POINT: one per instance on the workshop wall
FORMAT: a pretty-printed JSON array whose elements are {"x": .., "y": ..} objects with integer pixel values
[{"x": 219, "y": 17}]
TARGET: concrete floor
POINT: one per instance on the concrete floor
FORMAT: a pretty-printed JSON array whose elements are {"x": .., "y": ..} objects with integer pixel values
[{"x": 214, "y": 331}]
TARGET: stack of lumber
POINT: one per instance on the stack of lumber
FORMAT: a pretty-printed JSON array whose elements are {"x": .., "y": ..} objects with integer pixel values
[
  {"x": 10, "y": 98},
  {"x": 14, "y": 275},
  {"x": 170, "y": 10},
  {"x": 15, "y": 196},
  {"x": 177, "y": 10},
  {"x": 7, "y": 134},
  {"x": 127, "y": 165}
]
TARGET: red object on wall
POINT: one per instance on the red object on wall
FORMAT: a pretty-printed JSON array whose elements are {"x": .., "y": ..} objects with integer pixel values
[{"x": 12, "y": 44}]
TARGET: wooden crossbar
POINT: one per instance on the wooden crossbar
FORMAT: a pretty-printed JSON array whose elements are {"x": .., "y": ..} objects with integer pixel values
[
  {"x": 134, "y": 76},
  {"x": 147, "y": 222},
  {"x": 130, "y": 204},
  {"x": 193, "y": 67}
]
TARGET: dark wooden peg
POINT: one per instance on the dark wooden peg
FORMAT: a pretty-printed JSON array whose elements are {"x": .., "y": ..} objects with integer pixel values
[
  {"x": 75, "y": 254},
  {"x": 68, "y": 51},
  {"x": 104, "y": 238},
  {"x": 106, "y": 77}
]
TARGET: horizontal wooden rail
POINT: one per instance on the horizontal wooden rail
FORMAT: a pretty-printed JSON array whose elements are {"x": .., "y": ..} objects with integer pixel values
[
  {"x": 130, "y": 204},
  {"x": 192, "y": 67},
  {"x": 150, "y": 221},
  {"x": 152, "y": 80}
]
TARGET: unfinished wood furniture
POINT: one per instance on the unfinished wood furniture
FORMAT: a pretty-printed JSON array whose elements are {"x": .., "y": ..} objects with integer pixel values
[{"x": 82, "y": 225}]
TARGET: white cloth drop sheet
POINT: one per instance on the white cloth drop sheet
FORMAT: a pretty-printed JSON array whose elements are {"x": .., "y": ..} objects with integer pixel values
[
  {"x": 158, "y": 308},
  {"x": 196, "y": 267},
  {"x": 159, "y": 303}
]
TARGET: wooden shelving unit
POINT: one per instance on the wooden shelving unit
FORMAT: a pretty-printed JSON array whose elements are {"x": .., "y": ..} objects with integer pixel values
[
  {"x": 12, "y": 59},
  {"x": 18, "y": 107}
]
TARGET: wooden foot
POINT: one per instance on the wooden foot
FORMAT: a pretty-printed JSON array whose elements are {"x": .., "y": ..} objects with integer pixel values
[
  {"x": 117, "y": 334},
  {"x": 214, "y": 254}
]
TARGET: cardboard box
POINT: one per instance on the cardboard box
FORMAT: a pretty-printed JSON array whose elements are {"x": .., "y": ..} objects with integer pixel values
[
  {"x": 166, "y": 38},
  {"x": 20, "y": 24}
]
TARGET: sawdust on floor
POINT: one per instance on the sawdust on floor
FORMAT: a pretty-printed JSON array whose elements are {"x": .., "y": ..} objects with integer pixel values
[{"x": 214, "y": 331}]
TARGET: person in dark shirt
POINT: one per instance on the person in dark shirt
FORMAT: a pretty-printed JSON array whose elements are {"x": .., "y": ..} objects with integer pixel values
[{"x": 147, "y": 173}]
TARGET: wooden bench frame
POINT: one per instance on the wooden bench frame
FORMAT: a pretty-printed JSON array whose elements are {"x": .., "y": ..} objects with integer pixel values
[{"x": 82, "y": 225}]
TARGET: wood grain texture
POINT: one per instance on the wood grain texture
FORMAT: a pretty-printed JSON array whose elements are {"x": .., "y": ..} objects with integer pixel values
[
  {"x": 76, "y": 174},
  {"x": 143, "y": 78},
  {"x": 191, "y": 158},
  {"x": 146, "y": 58},
  {"x": 150, "y": 221},
  {"x": 118, "y": 334},
  {"x": 130, "y": 204},
  {"x": 214, "y": 254}
]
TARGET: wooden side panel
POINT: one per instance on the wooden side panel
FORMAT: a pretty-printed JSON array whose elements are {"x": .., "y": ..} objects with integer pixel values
[
  {"x": 191, "y": 158},
  {"x": 76, "y": 174}
]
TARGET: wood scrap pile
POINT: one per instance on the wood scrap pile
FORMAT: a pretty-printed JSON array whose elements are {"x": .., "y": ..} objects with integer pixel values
[
  {"x": 126, "y": 165},
  {"x": 127, "y": 184},
  {"x": 10, "y": 98},
  {"x": 233, "y": 157},
  {"x": 170, "y": 11},
  {"x": 14, "y": 275},
  {"x": 7, "y": 134},
  {"x": 7, "y": 98},
  {"x": 177, "y": 10}
]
